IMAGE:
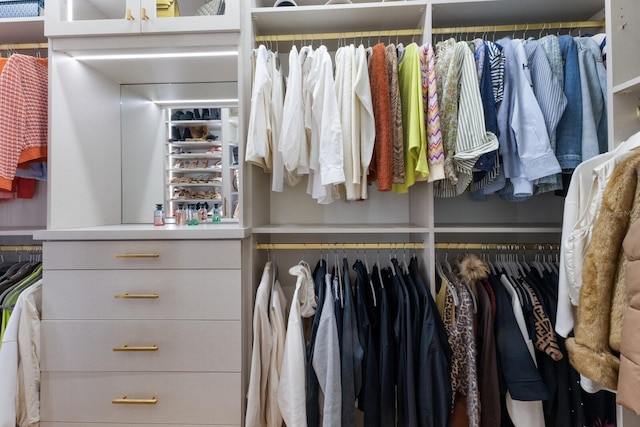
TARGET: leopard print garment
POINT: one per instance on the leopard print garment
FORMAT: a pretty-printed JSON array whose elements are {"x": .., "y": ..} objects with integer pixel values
[{"x": 459, "y": 321}]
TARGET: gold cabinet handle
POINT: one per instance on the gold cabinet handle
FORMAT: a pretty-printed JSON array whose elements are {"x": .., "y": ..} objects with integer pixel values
[
  {"x": 129, "y": 15},
  {"x": 144, "y": 15},
  {"x": 137, "y": 255},
  {"x": 137, "y": 296},
  {"x": 126, "y": 400},
  {"x": 127, "y": 348}
]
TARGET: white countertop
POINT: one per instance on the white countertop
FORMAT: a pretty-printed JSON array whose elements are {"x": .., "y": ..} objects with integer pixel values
[{"x": 146, "y": 232}]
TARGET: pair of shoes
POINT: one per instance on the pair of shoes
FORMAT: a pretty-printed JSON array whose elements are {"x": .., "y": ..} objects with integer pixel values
[
  {"x": 211, "y": 137},
  {"x": 175, "y": 134},
  {"x": 211, "y": 114},
  {"x": 179, "y": 164},
  {"x": 215, "y": 150}
]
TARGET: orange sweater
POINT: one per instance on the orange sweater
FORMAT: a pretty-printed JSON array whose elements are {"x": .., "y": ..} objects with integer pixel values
[{"x": 381, "y": 167}]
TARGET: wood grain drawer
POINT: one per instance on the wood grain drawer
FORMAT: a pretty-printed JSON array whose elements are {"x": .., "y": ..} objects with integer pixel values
[
  {"x": 142, "y": 345},
  {"x": 146, "y": 254},
  {"x": 182, "y": 398},
  {"x": 181, "y": 294}
]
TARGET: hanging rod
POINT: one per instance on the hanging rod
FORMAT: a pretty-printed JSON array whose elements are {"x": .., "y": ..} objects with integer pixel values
[
  {"x": 567, "y": 25},
  {"x": 20, "y": 248},
  {"x": 23, "y": 46},
  {"x": 498, "y": 246},
  {"x": 336, "y": 36},
  {"x": 570, "y": 25},
  {"x": 341, "y": 246}
]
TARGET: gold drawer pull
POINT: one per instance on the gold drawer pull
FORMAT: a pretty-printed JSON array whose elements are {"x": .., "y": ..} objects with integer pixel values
[
  {"x": 127, "y": 348},
  {"x": 144, "y": 15},
  {"x": 126, "y": 400},
  {"x": 137, "y": 255},
  {"x": 137, "y": 296},
  {"x": 129, "y": 15}
]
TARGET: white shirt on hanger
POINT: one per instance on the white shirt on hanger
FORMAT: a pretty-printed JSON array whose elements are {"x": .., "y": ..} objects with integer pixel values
[
  {"x": 259, "y": 132},
  {"x": 9, "y": 360},
  {"x": 277, "y": 106}
]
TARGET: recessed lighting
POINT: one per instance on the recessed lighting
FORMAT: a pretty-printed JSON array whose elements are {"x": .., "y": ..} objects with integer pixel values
[
  {"x": 197, "y": 101},
  {"x": 155, "y": 55}
]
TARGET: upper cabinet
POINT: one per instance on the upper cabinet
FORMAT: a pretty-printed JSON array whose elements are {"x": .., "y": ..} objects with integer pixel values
[{"x": 129, "y": 17}]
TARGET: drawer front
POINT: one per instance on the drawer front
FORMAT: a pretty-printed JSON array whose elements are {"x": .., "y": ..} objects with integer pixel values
[
  {"x": 142, "y": 294},
  {"x": 147, "y": 254},
  {"x": 141, "y": 345},
  {"x": 181, "y": 398}
]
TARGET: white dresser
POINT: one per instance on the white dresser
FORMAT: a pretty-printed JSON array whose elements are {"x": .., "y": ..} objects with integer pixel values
[{"x": 141, "y": 332}]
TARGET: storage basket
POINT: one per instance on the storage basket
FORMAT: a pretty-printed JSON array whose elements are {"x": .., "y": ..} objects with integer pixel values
[
  {"x": 167, "y": 8},
  {"x": 21, "y": 8}
]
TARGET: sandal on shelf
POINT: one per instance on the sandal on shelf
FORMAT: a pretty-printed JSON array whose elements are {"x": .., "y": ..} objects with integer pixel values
[
  {"x": 204, "y": 164},
  {"x": 179, "y": 165},
  {"x": 175, "y": 180}
]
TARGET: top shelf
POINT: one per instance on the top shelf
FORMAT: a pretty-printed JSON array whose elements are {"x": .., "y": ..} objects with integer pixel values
[
  {"x": 314, "y": 17},
  {"x": 22, "y": 30}
]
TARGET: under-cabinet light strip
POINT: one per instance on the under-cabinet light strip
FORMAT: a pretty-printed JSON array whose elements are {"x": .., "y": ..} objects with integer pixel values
[{"x": 154, "y": 55}]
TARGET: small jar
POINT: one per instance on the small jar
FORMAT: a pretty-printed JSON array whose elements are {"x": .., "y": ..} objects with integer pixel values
[
  {"x": 203, "y": 210},
  {"x": 158, "y": 215},
  {"x": 192, "y": 215},
  {"x": 216, "y": 213},
  {"x": 181, "y": 215}
]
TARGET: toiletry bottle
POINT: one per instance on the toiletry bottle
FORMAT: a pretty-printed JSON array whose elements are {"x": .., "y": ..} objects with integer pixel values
[
  {"x": 158, "y": 215},
  {"x": 203, "y": 210},
  {"x": 192, "y": 215},
  {"x": 181, "y": 215},
  {"x": 216, "y": 213}
]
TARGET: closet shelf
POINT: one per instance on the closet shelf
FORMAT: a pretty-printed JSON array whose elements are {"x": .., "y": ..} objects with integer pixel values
[
  {"x": 631, "y": 86},
  {"x": 338, "y": 18},
  {"x": 498, "y": 228},
  {"x": 340, "y": 229},
  {"x": 19, "y": 231}
]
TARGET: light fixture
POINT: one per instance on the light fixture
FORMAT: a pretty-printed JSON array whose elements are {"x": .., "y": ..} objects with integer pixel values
[
  {"x": 197, "y": 101},
  {"x": 155, "y": 55}
]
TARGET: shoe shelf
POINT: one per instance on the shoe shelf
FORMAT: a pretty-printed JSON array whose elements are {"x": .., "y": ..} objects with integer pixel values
[{"x": 201, "y": 163}]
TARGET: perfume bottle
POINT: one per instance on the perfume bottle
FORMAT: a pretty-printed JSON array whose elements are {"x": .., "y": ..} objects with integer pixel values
[
  {"x": 158, "y": 215},
  {"x": 203, "y": 210},
  {"x": 192, "y": 215},
  {"x": 216, "y": 213},
  {"x": 181, "y": 215}
]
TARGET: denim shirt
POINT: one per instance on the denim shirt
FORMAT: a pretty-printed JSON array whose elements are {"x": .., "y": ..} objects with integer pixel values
[{"x": 569, "y": 133}]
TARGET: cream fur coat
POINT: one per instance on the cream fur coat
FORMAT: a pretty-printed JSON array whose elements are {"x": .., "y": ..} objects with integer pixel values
[{"x": 595, "y": 348}]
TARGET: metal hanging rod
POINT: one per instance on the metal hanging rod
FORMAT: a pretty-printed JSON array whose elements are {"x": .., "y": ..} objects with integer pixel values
[
  {"x": 337, "y": 36},
  {"x": 566, "y": 25},
  {"x": 20, "y": 248},
  {"x": 341, "y": 246},
  {"x": 23, "y": 46},
  {"x": 570, "y": 25},
  {"x": 498, "y": 246}
]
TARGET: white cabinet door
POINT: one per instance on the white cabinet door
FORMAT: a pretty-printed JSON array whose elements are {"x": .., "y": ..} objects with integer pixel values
[
  {"x": 191, "y": 18},
  {"x": 95, "y": 17},
  {"x": 125, "y": 17}
]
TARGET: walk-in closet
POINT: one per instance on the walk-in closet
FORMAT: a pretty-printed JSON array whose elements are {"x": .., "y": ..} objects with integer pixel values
[{"x": 246, "y": 215}]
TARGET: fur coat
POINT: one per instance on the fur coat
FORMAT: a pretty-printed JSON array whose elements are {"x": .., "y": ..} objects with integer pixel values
[
  {"x": 595, "y": 348},
  {"x": 629, "y": 377}
]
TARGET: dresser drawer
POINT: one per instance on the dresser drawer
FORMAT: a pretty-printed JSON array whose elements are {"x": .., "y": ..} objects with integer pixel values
[
  {"x": 152, "y": 294},
  {"x": 181, "y": 398},
  {"x": 141, "y": 345},
  {"x": 146, "y": 254}
]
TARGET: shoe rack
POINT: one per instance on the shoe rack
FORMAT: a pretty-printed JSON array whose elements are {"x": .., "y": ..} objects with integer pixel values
[{"x": 202, "y": 160}]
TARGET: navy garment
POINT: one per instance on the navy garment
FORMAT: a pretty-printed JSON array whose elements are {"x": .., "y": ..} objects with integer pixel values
[
  {"x": 569, "y": 131},
  {"x": 369, "y": 396},
  {"x": 487, "y": 161},
  {"x": 351, "y": 352},
  {"x": 313, "y": 386},
  {"x": 520, "y": 374},
  {"x": 433, "y": 365}
]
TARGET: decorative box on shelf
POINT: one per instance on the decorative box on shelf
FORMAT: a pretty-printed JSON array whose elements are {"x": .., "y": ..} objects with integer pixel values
[{"x": 21, "y": 8}]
